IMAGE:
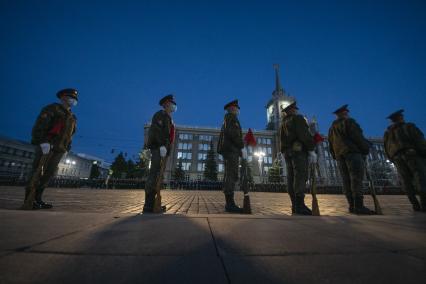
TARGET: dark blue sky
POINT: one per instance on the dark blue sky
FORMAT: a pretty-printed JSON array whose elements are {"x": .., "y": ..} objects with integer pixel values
[{"x": 124, "y": 55}]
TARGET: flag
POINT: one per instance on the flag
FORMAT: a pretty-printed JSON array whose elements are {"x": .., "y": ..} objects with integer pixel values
[{"x": 249, "y": 139}]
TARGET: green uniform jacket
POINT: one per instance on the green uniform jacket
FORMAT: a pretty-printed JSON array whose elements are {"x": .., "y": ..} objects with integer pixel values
[
  {"x": 159, "y": 132},
  {"x": 231, "y": 136},
  {"x": 295, "y": 134},
  {"x": 345, "y": 136},
  {"x": 403, "y": 136},
  {"x": 55, "y": 125}
]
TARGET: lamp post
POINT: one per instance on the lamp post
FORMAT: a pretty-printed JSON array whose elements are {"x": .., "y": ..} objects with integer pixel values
[{"x": 260, "y": 155}]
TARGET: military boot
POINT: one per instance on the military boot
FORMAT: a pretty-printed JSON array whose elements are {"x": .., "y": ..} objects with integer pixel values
[
  {"x": 423, "y": 202},
  {"x": 415, "y": 203},
  {"x": 149, "y": 203},
  {"x": 38, "y": 199},
  {"x": 230, "y": 205},
  {"x": 301, "y": 208},
  {"x": 360, "y": 209},
  {"x": 351, "y": 203}
]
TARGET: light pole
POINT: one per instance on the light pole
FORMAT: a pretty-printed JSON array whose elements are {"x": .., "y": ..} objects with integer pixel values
[{"x": 260, "y": 155}]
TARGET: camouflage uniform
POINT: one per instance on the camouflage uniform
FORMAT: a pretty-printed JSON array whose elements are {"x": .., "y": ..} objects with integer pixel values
[
  {"x": 160, "y": 134},
  {"x": 348, "y": 146},
  {"x": 55, "y": 125},
  {"x": 405, "y": 146},
  {"x": 229, "y": 146},
  {"x": 296, "y": 142}
]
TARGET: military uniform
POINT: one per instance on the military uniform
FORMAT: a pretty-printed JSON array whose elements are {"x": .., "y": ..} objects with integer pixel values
[
  {"x": 349, "y": 147},
  {"x": 405, "y": 146},
  {"x": 230, "y": 146},
  {"x": 55, "y": 125},
  {"x": 296, "y": 142},
  {"x": 161, "y": 133}
]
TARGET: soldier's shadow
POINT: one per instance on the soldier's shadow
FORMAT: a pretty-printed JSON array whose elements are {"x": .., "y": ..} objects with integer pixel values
[{"x": 236, "y": 249}]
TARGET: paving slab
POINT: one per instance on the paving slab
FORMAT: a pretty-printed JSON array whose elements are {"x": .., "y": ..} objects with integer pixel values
[
  {"x": 386, "y": 268},
  {"x": 59, "y": 268}
]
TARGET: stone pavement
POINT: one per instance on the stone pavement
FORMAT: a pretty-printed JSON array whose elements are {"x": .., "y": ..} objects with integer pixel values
[
  {"x": 89, "y": 238},
  {"x": 190, "y": 202}
]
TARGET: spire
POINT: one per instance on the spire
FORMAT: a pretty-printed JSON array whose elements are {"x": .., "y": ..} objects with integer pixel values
[{"x": 278, "y": 87}]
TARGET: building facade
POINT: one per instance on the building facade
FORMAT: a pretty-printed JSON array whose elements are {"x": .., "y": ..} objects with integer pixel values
[
  {"x": 192, "y": 143},
  {"x": 16, "y": 158}
]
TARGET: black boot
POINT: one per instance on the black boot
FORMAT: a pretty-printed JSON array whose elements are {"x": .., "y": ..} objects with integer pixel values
[
  {"x": 423, "y": 202},
  {"x": 230, "y": 205},
  {"x": 301, "y": 208},
  {"x": 351, "y": 203},
  {"x": 414, "y": 202},
  {"x": 360, "y": 209},
  {"x": 148, "y": 207},
  {"x": 41, "y": 204}
]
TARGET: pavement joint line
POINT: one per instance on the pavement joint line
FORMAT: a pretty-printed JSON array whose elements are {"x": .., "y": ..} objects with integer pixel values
[
  {"x": 29, "y": 247},
  {"x": 225, "y": 270},
  {"x": 105, "y": 254}
]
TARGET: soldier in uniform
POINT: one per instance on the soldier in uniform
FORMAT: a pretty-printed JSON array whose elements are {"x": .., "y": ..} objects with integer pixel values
[
  {"x": 231, "y": 147},
  {"x": 405, "y": 146},
  {"x": 297, "y": 145},
  {"x": 160, "y": 138},
  {"x": 52, "y": 134},
  {"x": 349, "y": 147}
]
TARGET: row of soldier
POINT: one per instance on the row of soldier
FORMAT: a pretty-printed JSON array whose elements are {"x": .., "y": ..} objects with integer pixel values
[{"x": 404, "y": 143}]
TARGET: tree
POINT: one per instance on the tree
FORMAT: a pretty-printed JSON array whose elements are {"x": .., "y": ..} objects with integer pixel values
[
  {"x": 210, "y": 169},
  {"x": 119, "y": 166},
  {"x": 179, "y": 173},
  {"x": 274, "y": 173},
  {"x": 94, "y": 171}
]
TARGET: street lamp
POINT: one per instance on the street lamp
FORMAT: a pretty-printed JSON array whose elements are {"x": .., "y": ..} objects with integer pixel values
[{"x": 260, "y": 155}]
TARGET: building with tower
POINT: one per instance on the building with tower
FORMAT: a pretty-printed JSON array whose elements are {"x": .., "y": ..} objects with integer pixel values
[{"x": 193, "y": 142}]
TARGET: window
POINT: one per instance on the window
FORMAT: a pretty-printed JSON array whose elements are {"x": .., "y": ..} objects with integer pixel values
[
  {"x": 220, "y": 157},
  {"x": 202, "y": 156},
  {"x": 268, "y": 141},
  {"x": 201, "y": 167},
  {"x": 205, "y": 137},
  {"x": 185, "y": 146},
  {"x": 203, "y": 147},
  {"x": 269, "y": 150},
  {"x": 184, "y": 155},
  {"x": 270, "y": 160},
  {"x": 221, "y": 168},
  {"x": 185, "y": 136},
  {"x": 186, "y": 166}
]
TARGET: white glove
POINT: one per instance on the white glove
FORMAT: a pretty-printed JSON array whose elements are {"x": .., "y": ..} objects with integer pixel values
[
  {"x": 312, "y": 157},
  {"x": 45, "y": 148},
  {"x": 163, "y": 151},
  {"x": 244, "y": 153}
]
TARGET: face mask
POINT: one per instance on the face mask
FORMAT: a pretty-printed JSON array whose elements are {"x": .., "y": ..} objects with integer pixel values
[
  {"x": 72, "y": 102},
  {"x": 173, "y": 108}
]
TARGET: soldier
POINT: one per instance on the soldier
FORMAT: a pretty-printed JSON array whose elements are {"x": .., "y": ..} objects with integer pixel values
[
  {"x": 297, "y": 146},
  {"x": 405, "y": 146},
  {"x": 52, "y": 134},
  {"x": 160, "y": 138},
  {"x": 231, "y": 147},
  {"x": 349, "y": 147}
]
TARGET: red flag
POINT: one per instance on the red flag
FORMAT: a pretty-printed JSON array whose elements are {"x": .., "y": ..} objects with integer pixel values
[
  {"x": 318, "y": 138},
  {"x": 249, "y": 139}
]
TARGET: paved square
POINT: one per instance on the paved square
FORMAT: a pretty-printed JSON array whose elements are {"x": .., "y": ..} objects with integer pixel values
[{"x": 98, "y": 236}]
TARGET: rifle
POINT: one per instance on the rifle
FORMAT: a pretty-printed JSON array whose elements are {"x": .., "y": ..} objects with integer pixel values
[
  {"x": 377, "y": 206},
  {"x": 244, "y": 185},
  {"x": 29, "y": 201},
  {"x": 157, "y": 202},
  {"x": 315, "y": 207}
]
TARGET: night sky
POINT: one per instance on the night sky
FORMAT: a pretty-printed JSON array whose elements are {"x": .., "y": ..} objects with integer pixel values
[{"x": 123, "y": 56}]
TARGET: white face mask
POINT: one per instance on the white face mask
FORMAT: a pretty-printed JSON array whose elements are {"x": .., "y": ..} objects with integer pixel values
[
  {"x": 72, "y": 102},
  {"x": 173, "y": 108}
]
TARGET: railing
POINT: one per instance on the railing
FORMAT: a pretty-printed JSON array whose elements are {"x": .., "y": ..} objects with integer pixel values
[{"x": 184, "y": 185}]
